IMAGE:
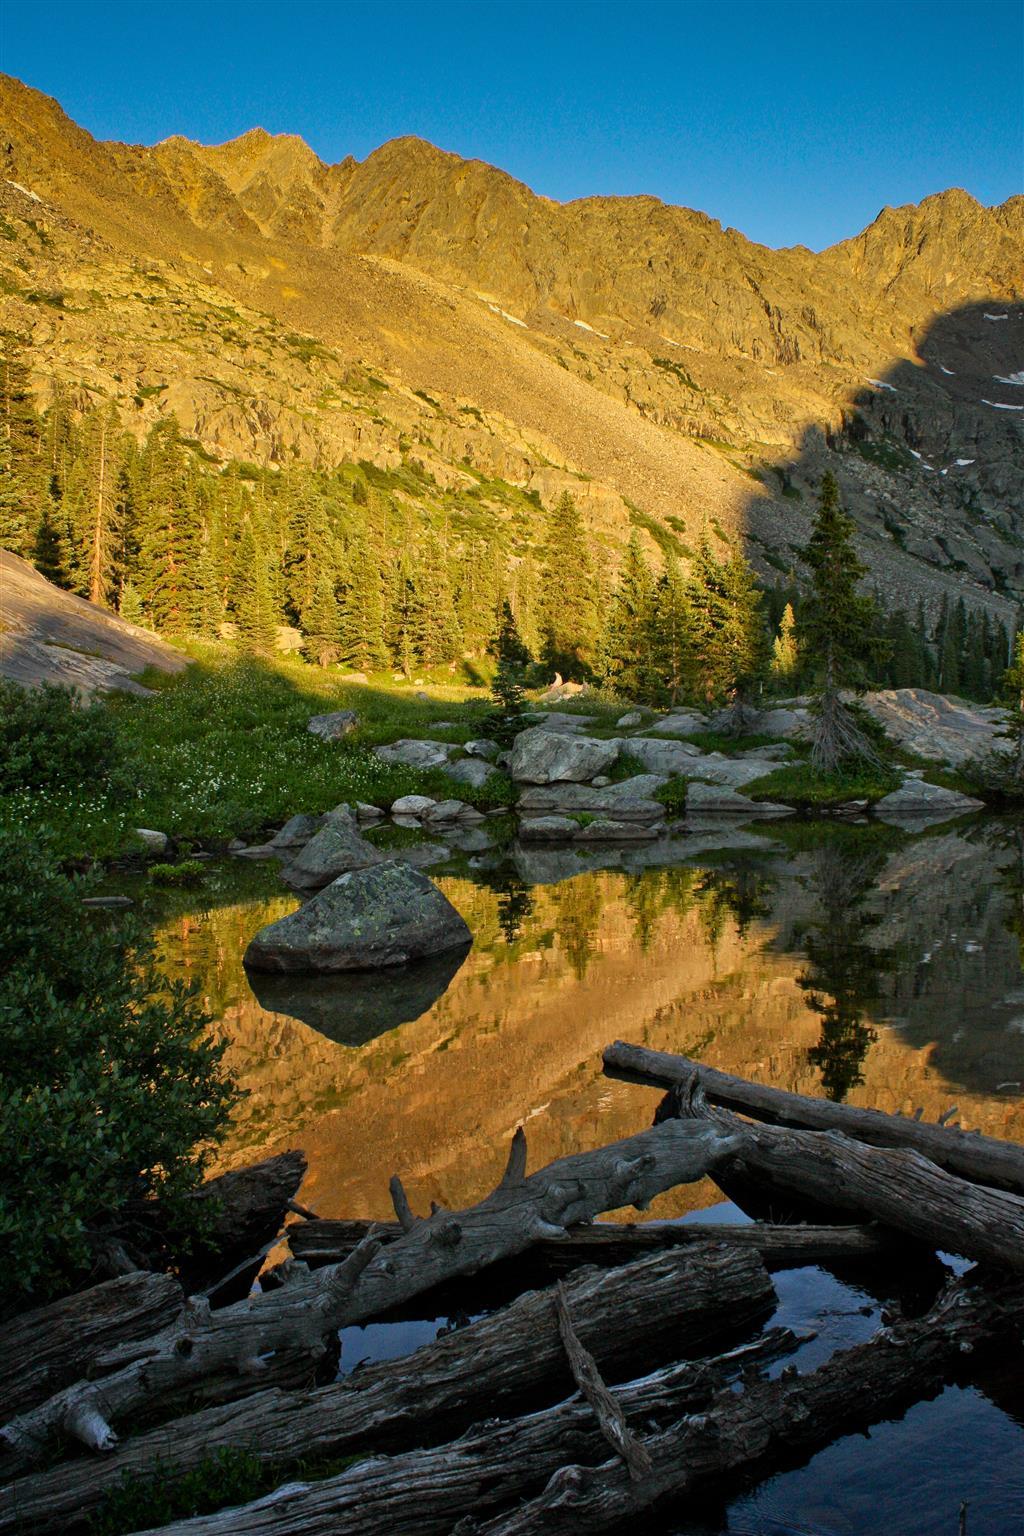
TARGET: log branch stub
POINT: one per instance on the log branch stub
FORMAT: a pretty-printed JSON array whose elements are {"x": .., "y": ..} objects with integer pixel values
[{"x": 607, "y": 1410}]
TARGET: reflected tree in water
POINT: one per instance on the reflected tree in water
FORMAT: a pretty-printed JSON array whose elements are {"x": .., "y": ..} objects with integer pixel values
[
  {"x": 738, "y": 893},
  {"x": 579, "y": 913},
  {"x": 654, "y": 892},
  {"x": 843, "y": 979}
]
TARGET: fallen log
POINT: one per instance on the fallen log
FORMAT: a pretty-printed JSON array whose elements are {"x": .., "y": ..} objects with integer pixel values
[
  {"x": 426, "y": 1492},
  {"x": 770, "y": 1421},
  {"x": 661, "y": 1308},
  {"x": 979, "y": 1159},
  {"x": 236, "y": 1349},
  {"x": 899, "y": 1188},
  {"x": 43, "y": 1350},
  {"x": 608, "y": 1243}
]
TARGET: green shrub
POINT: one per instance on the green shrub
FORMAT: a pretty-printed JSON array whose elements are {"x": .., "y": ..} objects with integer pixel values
[
  {"x": 798, "y": 784},
  {"x": 188, "y": 872},
  {"x": 110, "y": 1090},
  {"x": 52, "y": 741},
  {"x": 673, "y": 795}
]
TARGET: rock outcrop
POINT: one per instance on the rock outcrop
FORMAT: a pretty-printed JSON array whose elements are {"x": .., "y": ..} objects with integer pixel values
[
  {"x": 543, "y": 756},
  {"x": 380, "y": 916},
  {"x": 332, "y": 851},
  {"x": 944, "y": 730}
]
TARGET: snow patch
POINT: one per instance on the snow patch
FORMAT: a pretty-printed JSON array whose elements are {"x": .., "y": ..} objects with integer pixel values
[
  {"x": 881, "y": 384},
  {"x": 950, "y": 372},
  {"x": 670, "y": 341},
  {"x": 512, "y": 319},
  {"x": 1011, "y": 378},
  {"x": 585, "y": 327},
  {"x": 915, "y": 453},
  {"x": 963, "y": 463},
  {"x": 19, "y": 188},
  {"x": 997, "y": 317},
  {"x": 1000, "y": 405}
]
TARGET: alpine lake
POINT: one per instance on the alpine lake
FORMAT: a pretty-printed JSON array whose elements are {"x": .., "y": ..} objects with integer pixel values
[{"x": 856, "y": 962}]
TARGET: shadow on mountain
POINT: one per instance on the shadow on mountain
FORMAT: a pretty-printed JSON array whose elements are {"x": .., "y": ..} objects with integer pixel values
[
  {"x": 355, "y": 1008},
  {"x": 930, "y": 461}
]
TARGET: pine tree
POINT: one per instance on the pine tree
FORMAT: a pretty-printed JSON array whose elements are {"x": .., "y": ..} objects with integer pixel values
[
  {"x": 23, "y": 470},
  {"x": 131, "y": 609},
  {"x": 785, "y": 657},
  {"x": 569, "y": 618},
  {"x": 707, "y": 591},
  {"x": 627, "y": 646},
  {"x": 255, "y": 612},
  {"x": 49, "y": 554},
  {"x": 673, "y": 635},
  {"x": 508, "y": 687},
  {"x": 321, "y": 624},
  {"x": 837, "y": 631},
  {"x": 745, "y": 642}
]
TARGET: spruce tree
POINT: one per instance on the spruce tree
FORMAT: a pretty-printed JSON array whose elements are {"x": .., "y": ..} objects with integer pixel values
[
  {"x": 255, "y": 613},
  {"x": 508, "y": 687},
  {"x": 628, "y": 639},
  {"x": 569, "y": 620},
  {"x": 320, "y": 624},
  {"x": 785, "y": 657},
  {"x": 673, "y": 635},
  {"x": 837, "y": 631}
]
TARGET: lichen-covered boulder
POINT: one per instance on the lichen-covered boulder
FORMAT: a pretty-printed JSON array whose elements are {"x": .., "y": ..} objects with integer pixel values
[
  {"x": 482, "y": 747},
  {"x": 542, "y": 756},
  {"x": 917, "y": 800},
  {"x": 296, "y": 832},
  {"x": 629, "y": 800},
  {"x": 334, "y": 726},
  {"x": 474, "y": 771},
  {"x": 413, "y": 753},
  {"x": 384, "y": 915},
  {"x": 333, "y": 851}
]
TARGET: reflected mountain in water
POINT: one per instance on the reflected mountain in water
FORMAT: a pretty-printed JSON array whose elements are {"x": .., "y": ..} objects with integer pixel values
[
  {"x": 356, "y": 1007},
  {"x": 883, "y": 970}
]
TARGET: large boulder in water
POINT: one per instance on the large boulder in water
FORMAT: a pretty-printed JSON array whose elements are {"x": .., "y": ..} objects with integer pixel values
[
  {"x": 337, "y": 848},
  {"x": 542, "y": 756},
  {"x": 384, "y": 915}
]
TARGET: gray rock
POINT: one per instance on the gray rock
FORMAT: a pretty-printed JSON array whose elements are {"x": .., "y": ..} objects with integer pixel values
[
  {"x": 604, "y": 830},
  {"x": 471, "y": 770},
  {"x": 365, "y": 812},
  {"x": 686, "y": 722},
  {"x": 334, "y": 726},
  {"x": 236, "y": 845},
  {"x": 940, "y": 729},
  {"x": 627, "y": 721},
  {"x": 355, "y": 677},
  {"x": 296, "y": 831},
  {"x": 482, "y": 747},
  {"x": 784, "y": 723},
  {"x": 559, "y": 720},
  {"x": 468, "y": 839},
  {"x": 152, "y": 842},
  {"x": 775, "y": 752},
  {"x": 445, "y": 810},
  {"x": 538, "y": 865},
  {"x": 336, "y": 849},
  {"x": 385, "y": 915},
  {"x": 662, "y": 756},
  {"x": 547, "y": 829},
  {"x": 411, "y": 805},
  {"x": 716, "y": 768},
  {"x": 629, "y": 800},
  {"x": 541, "y": 756},
  {"x": 413, "y": 753},
  {"x": 916, "y": 799},
  {"x": 420, "y": 855},
  {"x": 601, "y": 780},
  {"x": 107, "y": 903},
  {"x": 718, "y": 800}
]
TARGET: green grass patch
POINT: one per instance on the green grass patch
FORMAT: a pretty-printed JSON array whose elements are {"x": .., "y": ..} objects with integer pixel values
[
  {"x": 798, "y": 784},
  {"x": 188, "y": 873}
]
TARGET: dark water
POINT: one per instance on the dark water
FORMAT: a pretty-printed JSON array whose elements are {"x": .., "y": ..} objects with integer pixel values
[{"x": 856, "y": 963}]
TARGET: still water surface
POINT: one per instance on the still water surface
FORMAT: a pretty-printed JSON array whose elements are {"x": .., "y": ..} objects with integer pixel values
[{"x": 882, "y": 969}]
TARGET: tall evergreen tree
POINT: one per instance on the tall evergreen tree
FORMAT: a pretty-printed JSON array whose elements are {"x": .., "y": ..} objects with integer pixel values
[
  {"x": 629, "y": 664},
  {"x": 569, "y": 619},
  {"x": 785, "y": 657},
  {"x": 321, "y": 624},
  {"x": 837, "y": 630}
]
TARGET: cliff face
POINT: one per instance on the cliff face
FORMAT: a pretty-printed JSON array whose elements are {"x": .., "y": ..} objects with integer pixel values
[{"x": 641, "y": 346}]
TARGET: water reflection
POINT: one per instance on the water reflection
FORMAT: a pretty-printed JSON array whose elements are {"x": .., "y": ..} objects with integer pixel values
[
  {"x": 888, "y": 973},
  {"x": 843, "y": 979}
]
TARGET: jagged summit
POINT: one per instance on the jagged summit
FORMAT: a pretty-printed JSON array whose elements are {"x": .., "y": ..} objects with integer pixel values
[{"x": 666, "y": 368}]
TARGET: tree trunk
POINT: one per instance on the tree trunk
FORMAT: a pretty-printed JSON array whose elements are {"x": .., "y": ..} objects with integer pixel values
[
  {"x": 426, "y": 1492},
  {"x": 751, "y": 1433},
  {"x": 233, "y": 1351},
  {"x": 44, "y": 1350},
  {"x": 667, "y": 1305},
  {"x": 609, "y": 1243},
  {"x": 981, "y": 1159}
]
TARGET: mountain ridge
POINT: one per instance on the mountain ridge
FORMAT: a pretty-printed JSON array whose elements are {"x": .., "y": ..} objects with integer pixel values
[{"x": 632, "y": 347}]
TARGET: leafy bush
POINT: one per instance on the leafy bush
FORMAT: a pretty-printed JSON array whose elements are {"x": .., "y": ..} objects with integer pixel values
[
  {"x": 188, "y": 872},
  {"x": 110, "y": 1090},
  {"x": 52, "y": 741}
]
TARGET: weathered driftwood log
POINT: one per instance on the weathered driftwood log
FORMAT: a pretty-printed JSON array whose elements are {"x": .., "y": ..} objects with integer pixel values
[
  {"x": 899, "y": 1188},
  {"x": 250, "y": 1204},
  {"x": 233, "y": 1350},
  {"x": 773, "y": 1419},
  {"x": 43, "y": 1350},
  {"x": 980, "y": 1159},
  {"x": 323, "y": 1241},
  {"x": 666, "y": 1305},
  {"x": 425, "y": 1492}
]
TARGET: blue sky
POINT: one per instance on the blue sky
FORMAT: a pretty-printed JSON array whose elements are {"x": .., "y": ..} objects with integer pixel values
[{"x": 792, "y": 121}]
